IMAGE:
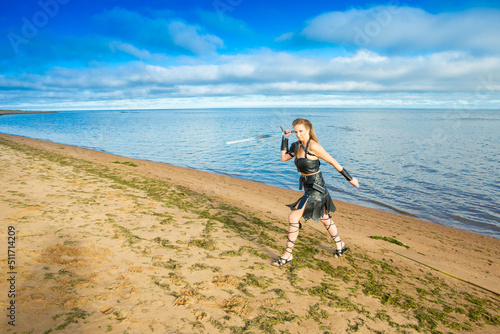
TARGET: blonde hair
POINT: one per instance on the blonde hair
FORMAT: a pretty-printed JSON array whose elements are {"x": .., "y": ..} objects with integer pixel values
[{"x": 308, "y": 125}]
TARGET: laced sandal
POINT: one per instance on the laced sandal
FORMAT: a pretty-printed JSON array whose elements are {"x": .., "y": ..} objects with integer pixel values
[
  {"x": 332, "y": 223},
  {"x": 339, "y": 252},
  {"x": 282, "y": 261}
]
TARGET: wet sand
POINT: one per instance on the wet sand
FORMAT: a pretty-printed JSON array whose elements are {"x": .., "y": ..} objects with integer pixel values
[{"x": 112, "y": 244}]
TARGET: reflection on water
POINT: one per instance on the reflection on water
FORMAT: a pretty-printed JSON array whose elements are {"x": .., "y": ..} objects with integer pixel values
[{"x": 439, "y": 165}]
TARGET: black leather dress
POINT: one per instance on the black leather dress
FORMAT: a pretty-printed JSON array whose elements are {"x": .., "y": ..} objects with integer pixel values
[{"x": 316, "y": 196}]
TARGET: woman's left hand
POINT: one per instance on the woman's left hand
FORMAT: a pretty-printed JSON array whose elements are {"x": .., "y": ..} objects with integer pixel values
[{"x": 354, "y": 182}]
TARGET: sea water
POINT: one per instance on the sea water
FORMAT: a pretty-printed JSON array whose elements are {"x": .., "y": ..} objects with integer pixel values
[{"x": 439, "y": 165}]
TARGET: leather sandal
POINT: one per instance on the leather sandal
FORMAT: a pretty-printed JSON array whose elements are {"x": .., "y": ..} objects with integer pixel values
[
  {"x": 281, "y": 261},
  {"x": 339, "y": 252}
]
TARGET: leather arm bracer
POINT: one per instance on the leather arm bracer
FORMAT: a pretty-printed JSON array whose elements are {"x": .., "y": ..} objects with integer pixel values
[
  {"x": 284, "y": 144},
  {"x": 346, "y": 174}
]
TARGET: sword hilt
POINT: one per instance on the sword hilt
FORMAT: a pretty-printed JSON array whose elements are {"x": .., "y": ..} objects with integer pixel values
[{"x": 282, "y": 129}]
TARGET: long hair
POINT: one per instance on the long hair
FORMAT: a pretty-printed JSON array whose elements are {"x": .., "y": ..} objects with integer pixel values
[{"x": 308, "y": 125}]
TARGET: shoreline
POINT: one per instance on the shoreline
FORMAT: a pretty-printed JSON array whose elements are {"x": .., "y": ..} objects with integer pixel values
[
  {"x": 445, "y": 253},
  {"x": 391, "y": 211},
  {"x": 377, "y": 205},
  {"x": 428, "y": 207}
]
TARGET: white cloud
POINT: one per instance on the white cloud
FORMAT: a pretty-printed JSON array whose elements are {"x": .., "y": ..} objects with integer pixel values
[
  {"x": 124, "y": 101},
  {"x": 163, "y": 33},
  {"x": 434, "y": 80},
  {"x": 223, "y": 22},
  {"x": 130, "y": 49},
  {"x": 284, "y": 37},
  {"x": 188, "y": 37},
  {"x": 408, "y": 30}
]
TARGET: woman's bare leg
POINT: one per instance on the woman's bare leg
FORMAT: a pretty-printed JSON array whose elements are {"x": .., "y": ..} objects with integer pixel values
[{"x": 293, "y": 232}]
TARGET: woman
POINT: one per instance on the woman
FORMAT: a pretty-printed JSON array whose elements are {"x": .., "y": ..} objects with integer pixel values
[{"x": 316, "y": 202}]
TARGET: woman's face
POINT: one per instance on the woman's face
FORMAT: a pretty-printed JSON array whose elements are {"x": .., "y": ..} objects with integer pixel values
[{"x": 301, "y": 132}]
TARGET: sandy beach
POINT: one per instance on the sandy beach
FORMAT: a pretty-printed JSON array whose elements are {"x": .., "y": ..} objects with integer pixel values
[{"x": 108, "y": 244}]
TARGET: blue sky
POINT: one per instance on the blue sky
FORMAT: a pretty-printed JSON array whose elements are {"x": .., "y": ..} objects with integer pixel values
[{"x": 109, "y": 54}]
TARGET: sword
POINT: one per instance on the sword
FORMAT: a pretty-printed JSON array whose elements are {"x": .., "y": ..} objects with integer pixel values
[{"x": 256, "y": 138}]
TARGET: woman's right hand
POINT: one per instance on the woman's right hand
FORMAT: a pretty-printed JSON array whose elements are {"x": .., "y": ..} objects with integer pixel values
[
  {"x": 354, "y": 182},
  {"x": 288, "y": 133}
]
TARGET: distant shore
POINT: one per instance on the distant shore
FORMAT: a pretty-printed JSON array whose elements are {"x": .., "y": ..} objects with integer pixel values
[{"x": 19, "y": 112}]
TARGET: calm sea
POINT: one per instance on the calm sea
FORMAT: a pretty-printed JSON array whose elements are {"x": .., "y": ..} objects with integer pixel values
[{"x": 439, "y": 165}]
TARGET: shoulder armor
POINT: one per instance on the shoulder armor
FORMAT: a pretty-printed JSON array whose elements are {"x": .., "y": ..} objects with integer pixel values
[{"x": 293, "y": 148}]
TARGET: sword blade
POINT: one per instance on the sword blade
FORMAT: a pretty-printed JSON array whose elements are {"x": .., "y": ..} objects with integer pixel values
[{"x": 251, "y": 139}]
